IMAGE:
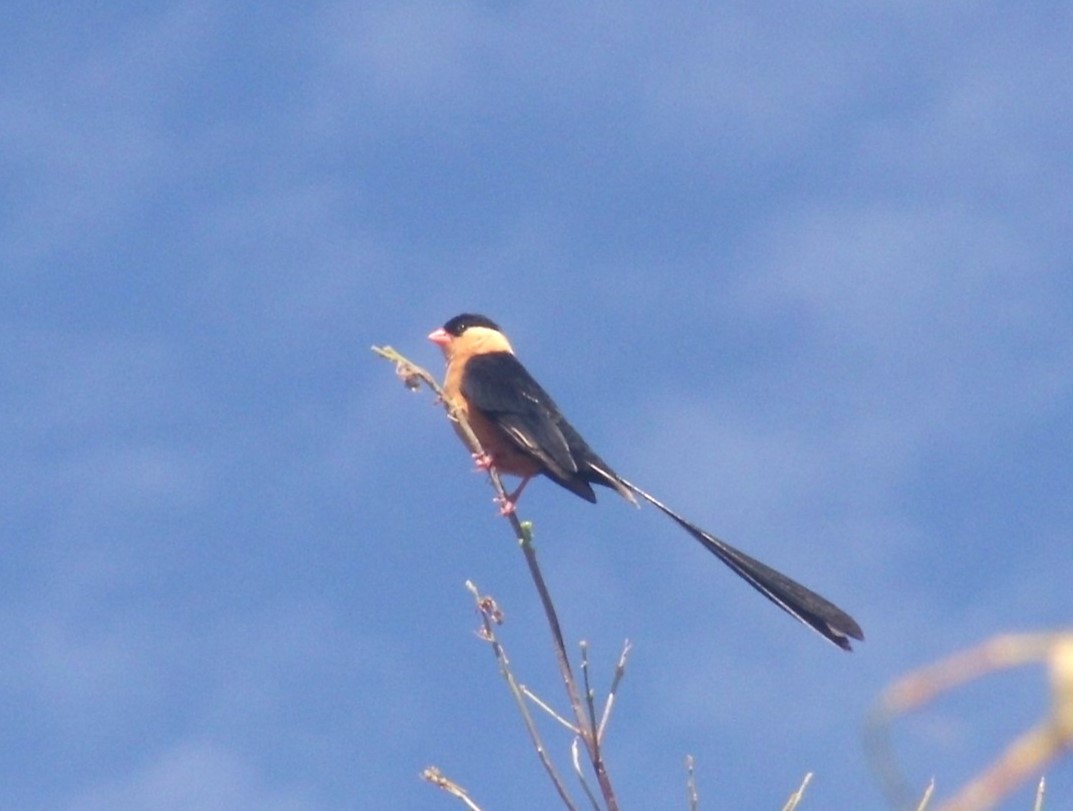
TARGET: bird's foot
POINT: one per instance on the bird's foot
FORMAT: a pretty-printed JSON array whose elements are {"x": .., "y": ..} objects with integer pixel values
[
  {"x": 506, "y": 505},
  {"x": 508, "y": 502},
  {"x": 483, "y": 460}
]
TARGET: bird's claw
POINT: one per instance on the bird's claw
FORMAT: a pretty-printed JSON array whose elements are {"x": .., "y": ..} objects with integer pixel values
[
  {"x": 506, "y": 505},
  {"x": 483, "y": 460}
]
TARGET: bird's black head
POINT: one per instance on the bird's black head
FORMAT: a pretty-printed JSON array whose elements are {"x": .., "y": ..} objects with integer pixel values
[{"x": 460, "y": 323}]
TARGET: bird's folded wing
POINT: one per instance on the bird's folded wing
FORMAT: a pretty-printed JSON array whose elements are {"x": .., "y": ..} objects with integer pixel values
[{"x": 500, "y": 387}]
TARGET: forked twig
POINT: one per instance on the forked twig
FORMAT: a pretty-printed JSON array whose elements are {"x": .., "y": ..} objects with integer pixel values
[{"x": 490, "y": 617}]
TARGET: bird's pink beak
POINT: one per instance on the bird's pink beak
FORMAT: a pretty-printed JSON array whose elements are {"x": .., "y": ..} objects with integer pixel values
[{"x": 439, "y": 337}]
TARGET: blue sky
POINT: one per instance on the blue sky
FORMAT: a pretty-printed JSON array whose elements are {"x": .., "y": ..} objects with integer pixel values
[{"x": 801, "y": 271}]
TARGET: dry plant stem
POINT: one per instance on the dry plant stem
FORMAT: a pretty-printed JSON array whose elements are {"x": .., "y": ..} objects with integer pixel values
[
  {"x": 1028, "y": 755},
  {"x": 590, "y": 696},
  {"x": 433, "y": 775},
  {"x": 579, "y": 772},
  {"x": 927, "y": 795},
  {"x": 413, "y": 376},
  {"x": 691, "y": 784},
  {"x": 796, "y": 797},
  {"x": 549, "y": 710},
  {"x": 488, "y": 634},
  {"x": 620, "y": 671},
  {"x": 585, "y": 722},
  {"x": 1041, "y": 789}
]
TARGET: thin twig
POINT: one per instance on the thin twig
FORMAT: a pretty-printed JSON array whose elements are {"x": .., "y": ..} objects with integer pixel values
[
  {"x": 433, "y": 775},
  {"x": 795, "y": 798},
  {"x": 691, "y": 784},
  {"x": 924, "y": 800},
  {"x": 620, "y": 671},
  {"x": 579, "y": 772},
  {"x": 1041, "y": 789},
  {"x": 548, "y": 709},
  {"x": 588, "y": 736},
  {"x": 590, "y": 696}
]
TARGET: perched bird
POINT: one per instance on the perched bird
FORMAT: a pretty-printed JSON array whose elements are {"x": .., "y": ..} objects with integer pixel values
[{"x": 523, "y": 433}]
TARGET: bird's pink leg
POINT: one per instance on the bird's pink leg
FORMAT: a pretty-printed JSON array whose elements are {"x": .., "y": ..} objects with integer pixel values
[
  {"x": 485, "y": 461},
  {"x": 508, "y": 504}
]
